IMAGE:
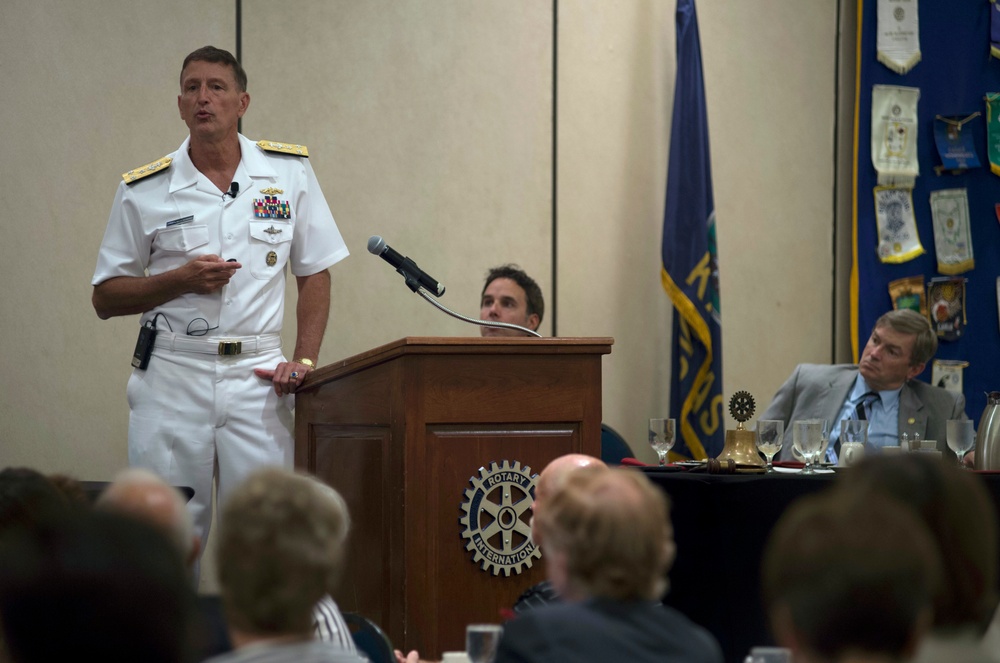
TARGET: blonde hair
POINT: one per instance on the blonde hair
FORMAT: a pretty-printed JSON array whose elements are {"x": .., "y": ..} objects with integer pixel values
[
  {"x": 280, "y": 550},
  {"x": 612, "y": 526}
]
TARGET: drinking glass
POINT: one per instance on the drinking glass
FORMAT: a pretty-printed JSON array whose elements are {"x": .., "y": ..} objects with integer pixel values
[
  {"x": 769, "y": 438},
  {"x": 769, "y": 655},
  {"x": 662, "y": 433},
  {"x": 807, "y": 436},
  {"x": 821, "y": 456},
  {"x": 481, "y": 642},
  {"x": 961, "y": 437},
  {"x": 853, "y": 438}
]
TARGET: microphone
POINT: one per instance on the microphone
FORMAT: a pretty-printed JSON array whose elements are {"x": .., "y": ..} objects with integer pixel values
[
  {"x": 234, "y": 189},
  {"x": 415, "y": 277}
]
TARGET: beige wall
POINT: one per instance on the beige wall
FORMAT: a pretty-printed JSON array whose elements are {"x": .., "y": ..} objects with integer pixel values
[{"x": 430, "y": 123}]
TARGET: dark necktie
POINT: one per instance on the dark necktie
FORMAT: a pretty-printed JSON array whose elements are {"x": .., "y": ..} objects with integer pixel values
[{"x": 865, "y": 405}]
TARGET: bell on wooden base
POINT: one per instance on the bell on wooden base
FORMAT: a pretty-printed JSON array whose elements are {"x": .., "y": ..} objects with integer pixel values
[{"x": 740, "y": 445}]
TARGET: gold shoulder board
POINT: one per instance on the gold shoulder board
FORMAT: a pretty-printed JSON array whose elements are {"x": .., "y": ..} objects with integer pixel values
[
  {"x": 285, "y": 148},
  {"x": 147, "y": 170}
]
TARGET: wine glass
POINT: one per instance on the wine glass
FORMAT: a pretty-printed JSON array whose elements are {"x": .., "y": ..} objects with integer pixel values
[
  {"x": 769, "y": 438},
  {"x": 961, "y": 437},
  {"x": 481, "y": 642},
  {"x": 662, "y": 433},
  {"x": 807, "y": 436}
]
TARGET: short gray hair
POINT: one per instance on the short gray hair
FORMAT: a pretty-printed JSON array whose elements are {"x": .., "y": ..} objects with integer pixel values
[
  {"x": 280, "y": 550},
  {"x": 907, "y": 321}
]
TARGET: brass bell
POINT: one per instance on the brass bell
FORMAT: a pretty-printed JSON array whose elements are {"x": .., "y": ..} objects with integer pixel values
[{"x": 741, "y": 446}]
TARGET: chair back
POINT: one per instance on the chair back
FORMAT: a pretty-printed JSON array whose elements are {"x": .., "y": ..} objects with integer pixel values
[
  {"x": 613, "y": 446},
  {"x": 369, "y": 638}
]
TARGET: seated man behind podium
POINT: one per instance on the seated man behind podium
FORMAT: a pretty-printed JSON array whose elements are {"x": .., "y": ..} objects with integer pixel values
[
  {"x": 510, "y": 296},
  {"x": 280, "y": 549},
  {"x": 881, "y": 386},
  {"x": 607, "y": 544}
]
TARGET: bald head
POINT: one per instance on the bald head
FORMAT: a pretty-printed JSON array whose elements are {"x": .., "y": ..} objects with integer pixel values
[
  {"x": 145, "y": 496},
  {"x": 552, "y": 478},
  {"x": 555, "y": 473}
]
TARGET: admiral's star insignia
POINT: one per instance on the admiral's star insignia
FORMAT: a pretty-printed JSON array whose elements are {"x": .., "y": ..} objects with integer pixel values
[
  {"x": 286, "y": 148},
  {"x": 150, "y": 168}
]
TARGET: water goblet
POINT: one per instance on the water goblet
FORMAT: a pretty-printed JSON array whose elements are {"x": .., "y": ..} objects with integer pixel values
[
  {"x": 662, "y": 433},
  {"x": 769, "y": 439},
  {"x": 481, "y": 642},
  {"x": 807, "y": 436},
  {"x": 961, "y": 437}
]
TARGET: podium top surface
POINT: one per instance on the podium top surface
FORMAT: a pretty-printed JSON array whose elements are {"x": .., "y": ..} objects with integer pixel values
[{"x": 427, "y": 345}]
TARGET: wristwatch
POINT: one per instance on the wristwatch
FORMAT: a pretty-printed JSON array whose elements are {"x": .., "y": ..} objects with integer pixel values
[{"x": 305, "y": 361}]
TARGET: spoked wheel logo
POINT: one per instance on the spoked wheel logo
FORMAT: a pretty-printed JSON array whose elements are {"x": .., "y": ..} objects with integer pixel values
[{"x": 497, "y": 518}]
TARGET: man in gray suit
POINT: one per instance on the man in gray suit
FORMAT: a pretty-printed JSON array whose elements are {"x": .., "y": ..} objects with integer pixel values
[{"x": 880, "y": 388}]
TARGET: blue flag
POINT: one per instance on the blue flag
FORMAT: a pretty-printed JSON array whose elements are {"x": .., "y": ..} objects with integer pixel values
[{"x": 690, "y": 271}]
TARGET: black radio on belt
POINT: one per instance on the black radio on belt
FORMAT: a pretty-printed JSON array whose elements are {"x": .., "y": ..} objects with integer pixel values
[{"x": 144, "y": 346}]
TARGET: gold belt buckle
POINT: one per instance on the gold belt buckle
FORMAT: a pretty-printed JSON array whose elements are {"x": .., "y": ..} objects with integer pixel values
[{"x": 230, "y": 347}]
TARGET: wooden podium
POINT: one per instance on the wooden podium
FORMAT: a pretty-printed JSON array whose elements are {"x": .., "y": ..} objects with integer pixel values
[{"x": 407, "y": 433}]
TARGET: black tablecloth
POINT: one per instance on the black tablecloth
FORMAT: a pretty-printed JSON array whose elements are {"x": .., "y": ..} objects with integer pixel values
[{"x": 721, "y": 524}]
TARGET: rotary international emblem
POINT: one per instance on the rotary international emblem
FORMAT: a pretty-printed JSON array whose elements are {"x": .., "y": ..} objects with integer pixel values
[{"x": 496, "y": 520}]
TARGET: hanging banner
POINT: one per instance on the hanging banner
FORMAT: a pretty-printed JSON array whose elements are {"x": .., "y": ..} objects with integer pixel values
[
  {"x": 908, "y": 293},
  {"x": 894, "y": 134},
  {"x": 947, "y": 374},
  {"x": 995, "y": 28},
  {"x": 954, "y": 141},
  {"x": 897, "y": 229},
  {"x": 952, "y": 233},
  {"x": 898, "y": 30},
  {"x": 993, "y": 130},
  {"x": 946, "y": 299},
  {"x": 998, "y": 301}
]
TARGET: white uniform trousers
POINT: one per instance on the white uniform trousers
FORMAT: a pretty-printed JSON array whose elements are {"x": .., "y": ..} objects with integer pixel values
[{"x": 194, "y": 414}]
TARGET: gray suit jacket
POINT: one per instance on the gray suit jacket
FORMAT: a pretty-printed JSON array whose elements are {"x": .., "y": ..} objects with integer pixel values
[{"x": 818, "y": 391}]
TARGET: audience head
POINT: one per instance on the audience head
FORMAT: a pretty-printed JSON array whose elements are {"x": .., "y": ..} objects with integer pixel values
[
  {"x": 27, "y": 498},
  {"x": 606, "y": 533},
  {"x": 957, "y": 510},
  {"x": 510, "y": 295},
  {"x": 846, "y": 576},
  {"x": 141, "y": 494},
  {"x": 95, "y": 587},
  {"x": 71, "y": 489},
  {"x": 554, "y": 475},
  {"x": 280, "y": 548}
]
